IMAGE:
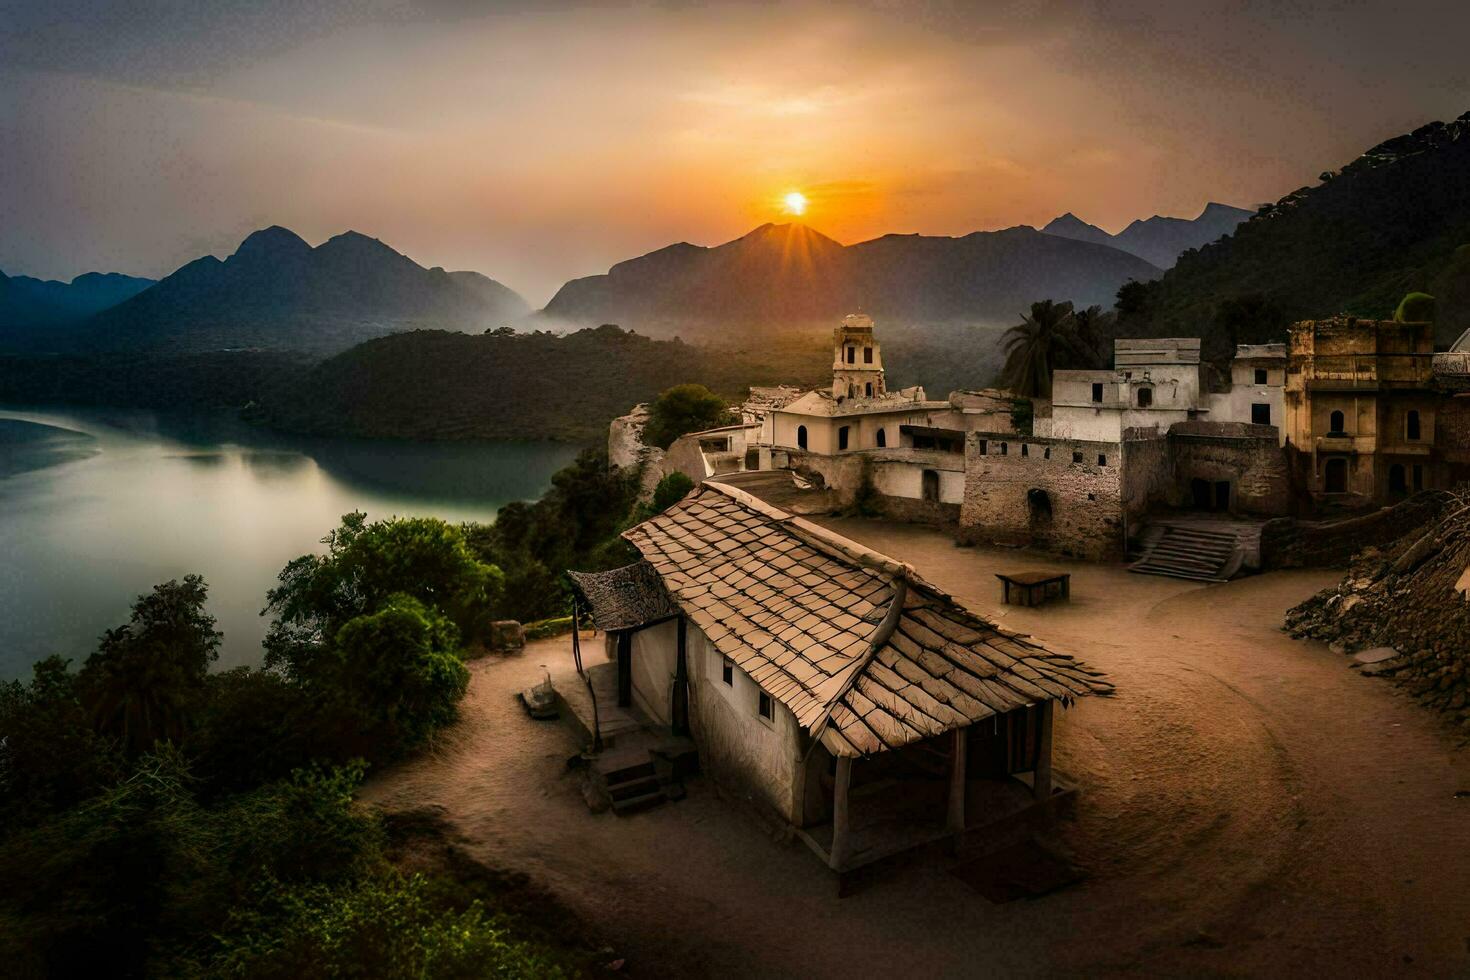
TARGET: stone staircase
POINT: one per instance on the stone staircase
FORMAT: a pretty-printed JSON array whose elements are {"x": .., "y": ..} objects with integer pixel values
[
  {"x": 1197, "y": 553},
  {"x": 635, "y": 779}
]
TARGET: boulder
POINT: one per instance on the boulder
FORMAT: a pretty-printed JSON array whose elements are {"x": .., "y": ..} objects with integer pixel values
[{"x": 507, "y": 635}]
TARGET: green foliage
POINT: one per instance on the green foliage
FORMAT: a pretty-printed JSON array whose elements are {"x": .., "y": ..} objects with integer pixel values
[
  {"x": 386, "y": 925},
  {"x": 394, "y": 675},
  {"x": 256, "y": 727},
  {"x": 575, "y": 524},
  {"x": 1050, "y": 337},
  {"x": 1415, "y": 308},
  {"x": 670, "y": 490},
  {"x": 543, "y": 628},
  {"x": 682, "y": 409},
  {"x": 50, "y": 756},
  {"x": 1023, "y": 415},
  {"x": 146, "y": 680}
]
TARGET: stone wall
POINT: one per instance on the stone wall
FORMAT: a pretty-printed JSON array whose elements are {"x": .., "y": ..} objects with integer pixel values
[
  {"x": 1247, "y": 456},
  {"x": 626, "y": 450},
  {"x": 1059, "y": 494},
  {"x": 1290, "y": 543}
]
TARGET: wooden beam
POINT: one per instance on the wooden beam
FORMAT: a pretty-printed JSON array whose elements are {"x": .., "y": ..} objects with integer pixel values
[
  {"x": 957, "y": 764},
  {"x": 681, "y": 681},
  {"x": 1041, "y": 778},
  {"x": 837, "y": 857},
  {"x": 625, "y": 668}
]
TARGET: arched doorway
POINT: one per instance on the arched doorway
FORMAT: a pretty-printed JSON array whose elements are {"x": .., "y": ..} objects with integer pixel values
[
  {"x": 1038, "y": 508},
  {"x": 1334, "y": 478}
]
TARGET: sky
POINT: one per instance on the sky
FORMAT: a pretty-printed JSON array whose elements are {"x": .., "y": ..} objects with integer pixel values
[{"x": 541, "y": 141}]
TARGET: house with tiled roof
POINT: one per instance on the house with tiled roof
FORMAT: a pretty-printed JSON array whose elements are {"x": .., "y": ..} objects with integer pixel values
[{"x": 830, "y": 684}]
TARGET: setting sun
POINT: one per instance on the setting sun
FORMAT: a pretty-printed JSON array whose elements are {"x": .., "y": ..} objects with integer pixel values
[{"x": 795, "y": 203}]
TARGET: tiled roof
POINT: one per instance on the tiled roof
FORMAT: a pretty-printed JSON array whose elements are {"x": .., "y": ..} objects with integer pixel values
[
  {"x": 864, "y": 653},
  {"x": 624, "y": 598}
]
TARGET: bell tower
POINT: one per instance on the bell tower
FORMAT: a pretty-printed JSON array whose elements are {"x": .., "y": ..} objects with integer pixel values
[{"x": 857, "y": 363}]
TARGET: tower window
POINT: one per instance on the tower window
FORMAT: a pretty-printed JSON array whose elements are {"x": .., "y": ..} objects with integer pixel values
[
  {"x": 867, "y": 355},
  {"x": 851, "y": 355},
  {"x": 1260, "y": 376},
  {"x": 1335, "y": 423}
]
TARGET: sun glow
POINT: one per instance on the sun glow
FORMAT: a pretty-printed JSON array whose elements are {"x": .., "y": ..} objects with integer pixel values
[{"x": 795, "y": 203}]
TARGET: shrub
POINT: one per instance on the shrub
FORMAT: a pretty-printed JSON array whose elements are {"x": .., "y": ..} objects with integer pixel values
[
  {"x": 1415, "y": 308},
  {"x": 683, "y": 409},
  {"x": 670, "y": 490}
]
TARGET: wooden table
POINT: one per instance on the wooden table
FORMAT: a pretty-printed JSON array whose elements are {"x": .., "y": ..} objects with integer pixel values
[{"x": 1034, "y": 588}]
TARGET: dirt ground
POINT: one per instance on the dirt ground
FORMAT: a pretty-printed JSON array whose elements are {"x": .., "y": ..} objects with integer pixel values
[{"x": 1248, "y": 805}]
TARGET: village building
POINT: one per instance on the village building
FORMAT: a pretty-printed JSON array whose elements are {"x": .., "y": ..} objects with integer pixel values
[
  {"x": 830, "y": 684},
  {"x": 1360, "y": 407},
  {"x": 1153, "y": 383}
]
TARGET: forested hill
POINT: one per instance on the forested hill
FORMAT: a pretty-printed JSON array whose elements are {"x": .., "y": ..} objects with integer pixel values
[
  {"x": 1385, "y": 224},
  {"x": 434, "y": 384}
]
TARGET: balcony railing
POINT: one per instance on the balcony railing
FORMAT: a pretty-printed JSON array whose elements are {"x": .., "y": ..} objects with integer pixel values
[{"x": 1367, "y": 370}]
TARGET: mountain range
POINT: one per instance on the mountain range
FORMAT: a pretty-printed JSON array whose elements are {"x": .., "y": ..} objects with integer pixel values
[
  {"x": 784, "y": 276},
  {"x": 1158, "y": 240},
  {"x": 47, "y": 303},
  {"x": 278, "y": 292}
]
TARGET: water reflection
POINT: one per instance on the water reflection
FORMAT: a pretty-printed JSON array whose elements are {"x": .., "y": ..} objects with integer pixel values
[{"x": 97, "y": 507}]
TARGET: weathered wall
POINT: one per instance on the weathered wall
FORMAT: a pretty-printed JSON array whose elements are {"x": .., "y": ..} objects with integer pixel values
[
  {"x": 1248, "y": 457},
  {"x": 1290, "y": 543},
  {"x": 1080, "y": 513},
  {"x": 737, "y": 747},
  {"x": 655, "y": 655}
]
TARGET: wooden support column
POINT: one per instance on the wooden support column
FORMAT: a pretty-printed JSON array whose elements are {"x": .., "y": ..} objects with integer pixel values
[
  {"x": 838, "y": 856},
  {"x": 956, "y": 821},
  {"x": 625, "y": 668},
  {"x": 1041, "y": 778}
]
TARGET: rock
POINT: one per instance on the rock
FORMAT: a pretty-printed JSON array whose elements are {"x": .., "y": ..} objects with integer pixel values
[
  {"x": 507, "y": 635},
  {"x": 1375, "y": 655}
]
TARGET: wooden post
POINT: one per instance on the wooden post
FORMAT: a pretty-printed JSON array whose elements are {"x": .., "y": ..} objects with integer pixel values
[
  {"x": 1041, "y": 778},
  {"x": 625, "y": 668},
  {"x": 838, "y": 856},
  {"x": 956, "y": 822}
]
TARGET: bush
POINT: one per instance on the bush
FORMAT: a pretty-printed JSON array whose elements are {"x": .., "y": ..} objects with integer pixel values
[
  {"x": 1415, "y": 308},
  {"x": 683, "y": 409},
  {"x": 670, "y": 490}
]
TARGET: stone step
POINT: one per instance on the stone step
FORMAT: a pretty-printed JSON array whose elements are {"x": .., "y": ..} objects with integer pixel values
[
  {"x": 642, "y": 802},
  {"x": 629, "y": 789},
  {"x": 1174, "y": 573}
]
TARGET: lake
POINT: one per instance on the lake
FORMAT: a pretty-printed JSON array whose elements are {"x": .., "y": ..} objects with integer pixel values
[{"x": 98, "y": 506}]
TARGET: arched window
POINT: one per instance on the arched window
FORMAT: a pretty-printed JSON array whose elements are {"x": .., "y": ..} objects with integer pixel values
[
  {"x": 867, "y": 355},
  {"x": 1145, "y": 397},
  {"x": 882, "y": 438},
  {"x": 801, "y": 436},
  {"x": 1335, "y": 423},
  {"x": 1411, "y": 424}
]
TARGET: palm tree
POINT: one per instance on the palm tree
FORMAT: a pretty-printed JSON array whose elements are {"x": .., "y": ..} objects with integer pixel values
[{"x": 1033, "y": 346}]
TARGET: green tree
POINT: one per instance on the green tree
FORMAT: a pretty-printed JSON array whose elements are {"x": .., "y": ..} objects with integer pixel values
[
  {"x": 681, "y": 409},
  {"x": 670, "y": 490},
  {"x": 1034, "y": 347},
  {"x": 146, "y": 680}
]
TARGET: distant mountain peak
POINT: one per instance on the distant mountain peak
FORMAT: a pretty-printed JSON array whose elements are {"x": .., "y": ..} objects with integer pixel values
[
  {"x": 272, "y": 242},
  {"x": 1158, "y": 239}
]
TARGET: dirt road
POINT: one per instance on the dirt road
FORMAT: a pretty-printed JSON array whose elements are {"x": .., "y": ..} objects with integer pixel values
[{"x": 1249, "y": 804}]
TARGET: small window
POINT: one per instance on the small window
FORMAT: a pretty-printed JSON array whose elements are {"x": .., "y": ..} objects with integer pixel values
[
  {"x": 882, "y": 438},
  {"x": 842, "y": 436},
  {"x": 766, "y": 707},
  {"x": 727, "y": 671},
  {"x": 984, "y": 447},
  {"x": 1102, "y": 460},
  {"x": 1261, "y": 414},
  {"x": 1145, "y": 397},
  {"x": 867, "y": 355},
  {"x": 1076, "y": 456},
  {"x": 1335, "y": 424},
  {"x": 1260, "y": 376},
  {"x": 801, "y": 437},
  {"x": 851, "y": 355},
  {"x": 1411, "y": 425},
  {"x": 1025, "y": 449},
  {"x": 1003, "y": 447},
  {"x": 1092, "y": 496},
  {"x": 1097, "y": 391},
  {"x": 868, "y": 389},
  {"x": 1046, "y": 453}
]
